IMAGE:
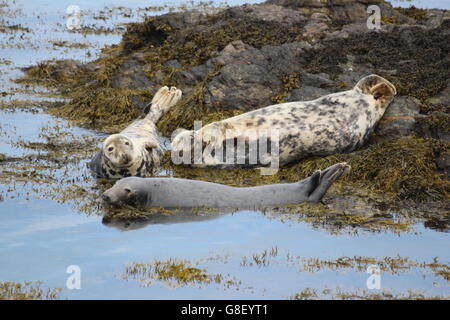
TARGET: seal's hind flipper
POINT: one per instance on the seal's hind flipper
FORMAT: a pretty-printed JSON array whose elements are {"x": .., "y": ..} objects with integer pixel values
[
  {"x": 380, "y": 88},
  {"x": 313, "y": 182},
  {"x": 162, "y": 101},
  {"x": 327, "y": 178}
]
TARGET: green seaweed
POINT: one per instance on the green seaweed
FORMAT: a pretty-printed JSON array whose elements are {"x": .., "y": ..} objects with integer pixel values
[
  {"x": 108, "y": 109},
  {"x": 413, "y": 12},
  {"x": 27, "y": 290},
  {"x": 421, "y": 65},
  {"x": 175, "y": 273}
]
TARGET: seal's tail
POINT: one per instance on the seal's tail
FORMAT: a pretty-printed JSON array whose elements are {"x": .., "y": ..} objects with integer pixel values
[
  {"x": 321, "y": 181},
  {"x": 162, "y": 101}
]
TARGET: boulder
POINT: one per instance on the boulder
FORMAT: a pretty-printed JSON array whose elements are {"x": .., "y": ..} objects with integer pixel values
[{"x": 398, "y": 120}]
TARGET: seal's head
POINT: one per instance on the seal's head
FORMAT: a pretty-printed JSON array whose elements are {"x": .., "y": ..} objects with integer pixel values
[
  {"x": 381, "y": 89},
  {"x": 127, "y": 191},
  {"x": 120, "y": 151}
]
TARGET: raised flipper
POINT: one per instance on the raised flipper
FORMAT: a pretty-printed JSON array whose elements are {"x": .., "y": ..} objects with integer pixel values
[
  {"x": 163, "y": 100},
  {"x": 322, "y": 180},
  {"x": 381, "y": 89}
]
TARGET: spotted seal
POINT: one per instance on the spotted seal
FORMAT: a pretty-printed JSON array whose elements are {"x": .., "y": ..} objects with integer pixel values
[
  {"x": 183, "y": 193},
  {"x": 136, "y": 150},
  {"x": 335, "y": 123}
]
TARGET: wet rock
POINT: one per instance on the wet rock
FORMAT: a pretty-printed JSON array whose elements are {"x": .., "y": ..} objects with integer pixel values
[
  {"x": 352, "y": 72},
  {"x": 131, "y": 74},
  {"x": 173, "y": 64},
  {"x": 317, "y": 25},
  {"x": 352, "y": 28},
  {"x": 140, "y": 102},
  {"x": 403, "y": 106},
  {"x": 249, "y": 77},
  {"x": 191, "y": 76},
  {"x": 442, "y": 98},
  {"x": 320, "y": 80},
  {"x": 443, "y": 164},
  {"x": 433, "y": 125},
  {"x": 298, "y": 3},
  {"x": 268, "y": 12},
  {"x": 180, "y": 20},
  {"x": 434, "y": 19},
  {"x": 241, "y": 86},
  {"x": 307, "y": 93},
  {"x": 398, "y": 120}
]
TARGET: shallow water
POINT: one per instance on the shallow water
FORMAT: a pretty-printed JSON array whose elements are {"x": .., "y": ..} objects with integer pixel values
[{"x": 43, "y": 232}]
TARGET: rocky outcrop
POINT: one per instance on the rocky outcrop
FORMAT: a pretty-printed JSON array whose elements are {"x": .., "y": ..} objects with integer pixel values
[{"x": 250, "y": 56}]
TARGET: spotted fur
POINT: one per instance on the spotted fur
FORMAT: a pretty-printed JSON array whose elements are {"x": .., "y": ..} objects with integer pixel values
[
  {"x": 136, "y": 150},
  {"x": 339, "y": 122}
]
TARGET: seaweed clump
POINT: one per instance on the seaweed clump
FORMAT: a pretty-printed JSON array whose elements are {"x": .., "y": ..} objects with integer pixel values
[
  {"x": 175, "y": 273},
  {"x": 418, "y": 65},
  {"x": 26, "y": 291},
  {"x": 106, "y": 108},
  {"x": 194, "y": 45},
  {"x": 413, "y": 12}
]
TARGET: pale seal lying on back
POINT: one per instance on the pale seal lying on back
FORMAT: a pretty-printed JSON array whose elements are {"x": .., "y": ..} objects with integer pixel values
[
  {"x": 183, "y": 193},
  {"x": 136, "y": 150},
  {"x": 336, "y": 123}
]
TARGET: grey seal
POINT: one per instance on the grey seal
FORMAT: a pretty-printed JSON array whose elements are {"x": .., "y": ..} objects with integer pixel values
[
  {"x": 336, "y": 123},
  {"x": 136, "y": 150},
  {"x": 184, "y": 193}
]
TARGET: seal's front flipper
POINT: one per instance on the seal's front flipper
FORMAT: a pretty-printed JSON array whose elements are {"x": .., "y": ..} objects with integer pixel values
[
  {"x": 326, "y": 179},
  {"x": 96, "y": 164},
  {"x": 163, "y": 100}
]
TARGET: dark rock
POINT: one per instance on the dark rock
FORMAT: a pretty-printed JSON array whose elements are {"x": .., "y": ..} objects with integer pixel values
[
  {"x": 434, "y": 19},
  {"x": 352, "y": 72},
  {"x": 139, "y": 102},
  {"x": 307, "y": 93},
  {"x": 443, "y": 163},
  {"x": 191, "y": 76},
  {"x": 180, "y": 20},
  {"x": 442, "y": 98},
  {"x": 250, "y": 77},
  {"x": 131, "y": 74},
  {"x": 403, "y": 106},
  {"x": 433, "y": 125},
  {"x": 398, "y": 120},
  {"x": 320, "y": 80},
  {"x": 352, "y": 28},
  {"x": 173, "y": 64},
  {"x": 269, "y": 12},
  {"x": 317, "y": 25}
]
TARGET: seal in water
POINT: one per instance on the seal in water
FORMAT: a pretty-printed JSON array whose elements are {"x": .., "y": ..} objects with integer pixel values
[
  {"x": 183, "y": 193},
  {"x": 135, "y": 151},
  {"x": 335, "y": 123}
]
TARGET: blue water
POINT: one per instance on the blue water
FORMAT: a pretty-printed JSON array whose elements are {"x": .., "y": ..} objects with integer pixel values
[{"x": 41, "y": 236}]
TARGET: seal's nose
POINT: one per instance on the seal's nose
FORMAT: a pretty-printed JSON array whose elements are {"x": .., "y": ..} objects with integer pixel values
[{"x": 106, "y": 198}]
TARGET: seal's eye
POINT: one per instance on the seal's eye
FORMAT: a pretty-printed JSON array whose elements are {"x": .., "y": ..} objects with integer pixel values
[
  {"x": 110, "y": 148},
  {"x": 377, "y": 95},
  {"x": 127, "y": 143},
  {"x": 127, "y": 190}
]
